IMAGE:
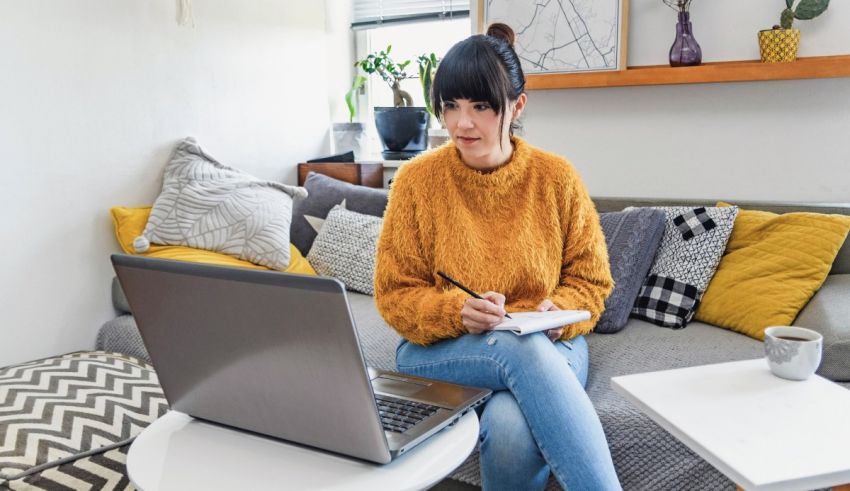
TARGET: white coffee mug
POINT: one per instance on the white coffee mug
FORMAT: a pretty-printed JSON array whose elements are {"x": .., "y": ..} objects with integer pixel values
[{"x": 792, "y": 353}]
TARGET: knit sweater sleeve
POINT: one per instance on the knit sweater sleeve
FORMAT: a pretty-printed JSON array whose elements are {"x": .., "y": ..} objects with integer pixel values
[
  {"x": 405, "y": 289},
  {"x": 586, "y": 279}
]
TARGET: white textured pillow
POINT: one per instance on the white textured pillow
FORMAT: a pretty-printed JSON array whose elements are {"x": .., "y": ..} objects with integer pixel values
[
  {"x": 207, "y": 205},
  {"x": 345, "y": 248}
]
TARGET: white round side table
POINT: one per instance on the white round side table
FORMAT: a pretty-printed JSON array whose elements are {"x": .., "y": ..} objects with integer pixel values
[{"x": 178, "y": 452}]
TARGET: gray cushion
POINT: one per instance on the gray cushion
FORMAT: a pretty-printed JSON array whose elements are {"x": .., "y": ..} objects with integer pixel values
[
  {"x": 632, "y": 237},
  {"x": 323, "y": 194},
  {"x": 377, "y": 339},
  {"x": 828, "y": 312},
  {"x": 210, "y": 206},
  {"x": 346, "y": 248}
]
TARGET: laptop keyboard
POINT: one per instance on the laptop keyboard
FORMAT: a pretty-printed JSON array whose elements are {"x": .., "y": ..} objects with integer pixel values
[{"x": 399, "y": 415}]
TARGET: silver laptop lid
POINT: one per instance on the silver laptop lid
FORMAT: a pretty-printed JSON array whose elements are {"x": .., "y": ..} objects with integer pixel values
[{"x": 215, "y": 336}]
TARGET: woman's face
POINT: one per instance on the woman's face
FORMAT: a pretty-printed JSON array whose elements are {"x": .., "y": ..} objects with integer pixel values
[{"x": 474, "y": 128}]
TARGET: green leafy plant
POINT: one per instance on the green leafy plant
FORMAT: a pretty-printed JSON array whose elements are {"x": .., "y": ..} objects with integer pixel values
[
  {"x": 392, "y": 72},
  {"x": 805, "y": 10},
  {"x": 358, "y": 82},
  {"x": 427, "y": 68}
]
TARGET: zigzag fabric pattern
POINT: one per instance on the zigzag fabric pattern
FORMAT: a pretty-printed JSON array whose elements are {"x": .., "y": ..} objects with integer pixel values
[
  {"x": 104, "y": 472},
  {"x": 63, "y": 408}
]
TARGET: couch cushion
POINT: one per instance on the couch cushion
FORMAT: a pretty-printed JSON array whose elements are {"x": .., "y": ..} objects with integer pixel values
[
  {"x": 346, "y": 248},
  {"x": 63, "y": 408},
  {"x": 323, "y": 194},
  {"x": 207, "y": 205},
  {"x": 378, "y": 340},
  {"x": 772, "y": 267},
  {"x": 693, "y": 242},
  {"x": 829, "y": 314},
  {"x": 632, "y": 238}
]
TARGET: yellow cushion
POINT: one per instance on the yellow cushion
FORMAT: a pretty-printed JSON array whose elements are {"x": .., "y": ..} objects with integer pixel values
[
  {"x": 130, "y": 223},
  {"x": 772, "y": 266}
]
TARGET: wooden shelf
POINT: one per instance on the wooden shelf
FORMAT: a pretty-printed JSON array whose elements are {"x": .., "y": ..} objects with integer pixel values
[{"x": 728, "y": 71}]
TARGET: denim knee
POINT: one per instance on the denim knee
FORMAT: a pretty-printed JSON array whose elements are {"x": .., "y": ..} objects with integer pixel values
[{"x": 510, "y": 458}]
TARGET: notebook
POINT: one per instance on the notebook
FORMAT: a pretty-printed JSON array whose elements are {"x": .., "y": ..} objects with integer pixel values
[{"x": 528, "y": 322}]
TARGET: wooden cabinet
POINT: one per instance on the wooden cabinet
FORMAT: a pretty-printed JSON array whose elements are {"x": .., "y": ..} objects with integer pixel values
[{"x": 369, "y": 174}]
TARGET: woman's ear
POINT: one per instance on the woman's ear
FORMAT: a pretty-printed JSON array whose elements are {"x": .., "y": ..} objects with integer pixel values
[{"x": 519, "y": 105}]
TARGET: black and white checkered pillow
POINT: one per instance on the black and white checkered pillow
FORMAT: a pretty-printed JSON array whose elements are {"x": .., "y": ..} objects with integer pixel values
[
  {"x": 693, "y": 243},
  {"x": 694, "y": 222},
  {"x": 666, "y": 302}
]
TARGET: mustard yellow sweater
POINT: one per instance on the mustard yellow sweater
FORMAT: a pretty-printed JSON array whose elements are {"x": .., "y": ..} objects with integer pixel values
[{"x": 527, "y": 230}]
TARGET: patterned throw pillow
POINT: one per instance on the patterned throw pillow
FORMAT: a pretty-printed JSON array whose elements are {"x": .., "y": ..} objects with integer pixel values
[
  {"x": 693, "y": 243},
  {"x": 207, "y": 205},
  {"x": 323, "y": 194},
  {"x": 66, "y": 407},
  {"x": 346, "y": 247}
]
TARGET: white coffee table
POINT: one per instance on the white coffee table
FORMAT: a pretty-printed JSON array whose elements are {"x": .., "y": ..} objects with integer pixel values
[
  {"x": 178, "y": 452},
  {"x": 761, "y": 431}
]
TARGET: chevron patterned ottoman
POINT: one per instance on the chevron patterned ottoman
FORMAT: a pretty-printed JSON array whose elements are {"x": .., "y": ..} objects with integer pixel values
[{"x": 66, "y": 422}]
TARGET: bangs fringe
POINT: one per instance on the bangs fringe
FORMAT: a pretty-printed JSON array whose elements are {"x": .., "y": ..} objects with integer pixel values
[{"x": 470, "y": 71}]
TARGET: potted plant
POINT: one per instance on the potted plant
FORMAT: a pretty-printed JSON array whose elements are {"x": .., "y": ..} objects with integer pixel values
[
  {"x": 402, "y": 127},
  {"x": 428, "y": 64},
  {"x": 780, "y": 44},
  {"x": 351, "y": 136}
]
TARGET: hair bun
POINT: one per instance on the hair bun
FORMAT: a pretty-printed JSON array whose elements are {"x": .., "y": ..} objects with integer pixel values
[{"x": 503, "y": 32}]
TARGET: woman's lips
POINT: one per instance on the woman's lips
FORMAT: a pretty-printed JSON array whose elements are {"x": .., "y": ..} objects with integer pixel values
[{"x": 467, "y": 140}]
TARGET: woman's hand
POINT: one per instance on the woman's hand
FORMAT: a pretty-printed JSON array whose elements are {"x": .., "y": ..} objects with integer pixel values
[
  {"x": 552, "y": 334},
  {"x": 482, "y": 314}
]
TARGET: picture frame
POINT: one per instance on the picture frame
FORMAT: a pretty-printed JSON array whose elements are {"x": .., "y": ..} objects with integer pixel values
[{"x": 561, "y": 37}]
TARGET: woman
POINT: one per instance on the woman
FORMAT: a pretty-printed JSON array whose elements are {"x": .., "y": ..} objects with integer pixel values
[{"x": 500, "y": 216}]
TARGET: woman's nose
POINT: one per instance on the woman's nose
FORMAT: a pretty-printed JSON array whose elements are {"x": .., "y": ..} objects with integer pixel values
[{"x": 465, "y": 120}]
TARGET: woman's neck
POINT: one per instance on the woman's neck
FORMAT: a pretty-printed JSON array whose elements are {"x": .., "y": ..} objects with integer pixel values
[{"x": 492, "y": 161}]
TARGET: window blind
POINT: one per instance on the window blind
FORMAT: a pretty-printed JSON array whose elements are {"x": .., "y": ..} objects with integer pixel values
[{"x": 374, "y": 13}]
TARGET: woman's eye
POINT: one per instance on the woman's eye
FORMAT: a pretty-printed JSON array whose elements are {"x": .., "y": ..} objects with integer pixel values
[
  {"x": 482, "y": 107},
  {"x": 449, "y": 105}
]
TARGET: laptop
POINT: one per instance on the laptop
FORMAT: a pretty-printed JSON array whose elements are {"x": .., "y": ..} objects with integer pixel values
[{"x": 278, "y": 354}]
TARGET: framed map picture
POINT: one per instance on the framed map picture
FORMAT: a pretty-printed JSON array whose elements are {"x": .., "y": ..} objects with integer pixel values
[{"x": 563, "y": 36}]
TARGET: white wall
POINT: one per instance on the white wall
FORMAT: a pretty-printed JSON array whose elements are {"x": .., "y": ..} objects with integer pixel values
[
  {"x": 94, "y": 95},
  {"x": 779, "y": 140}
]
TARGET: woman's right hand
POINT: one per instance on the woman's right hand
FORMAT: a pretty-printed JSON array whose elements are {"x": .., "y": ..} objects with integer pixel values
[{"x": 482, "y": 314}]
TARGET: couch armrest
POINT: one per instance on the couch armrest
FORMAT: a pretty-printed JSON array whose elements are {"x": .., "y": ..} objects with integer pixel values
[
  {"x": 121, "y": 335},
  {"x": 828, "y": 312}
]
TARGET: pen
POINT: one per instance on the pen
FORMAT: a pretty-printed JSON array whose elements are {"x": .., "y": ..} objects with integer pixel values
[{"x": 467, "y": 290}]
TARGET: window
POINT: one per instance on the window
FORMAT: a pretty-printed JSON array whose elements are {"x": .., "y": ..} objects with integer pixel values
[
  {"x": 412, "y": 28},
  {"x": 408, "y": 42}
]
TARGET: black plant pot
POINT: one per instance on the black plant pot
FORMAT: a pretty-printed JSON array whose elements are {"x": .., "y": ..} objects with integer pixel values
[{"x": 403, "y": 130}]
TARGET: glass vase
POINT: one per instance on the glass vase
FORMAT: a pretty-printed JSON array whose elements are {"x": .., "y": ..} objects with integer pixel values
[{"x": 685, "y": 50}]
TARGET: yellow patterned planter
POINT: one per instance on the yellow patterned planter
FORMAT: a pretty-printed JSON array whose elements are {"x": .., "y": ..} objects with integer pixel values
[{"x": 779, "y": 45}]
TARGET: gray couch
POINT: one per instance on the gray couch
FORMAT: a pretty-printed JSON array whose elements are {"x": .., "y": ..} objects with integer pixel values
[{"x": 646, "y": 456}]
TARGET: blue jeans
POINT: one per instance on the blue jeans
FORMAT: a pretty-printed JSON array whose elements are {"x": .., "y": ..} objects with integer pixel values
[{"x": 539, "y": 418}]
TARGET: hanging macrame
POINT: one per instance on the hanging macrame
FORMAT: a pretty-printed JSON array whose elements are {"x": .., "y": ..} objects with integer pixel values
[{"x": 184, "y": 15}]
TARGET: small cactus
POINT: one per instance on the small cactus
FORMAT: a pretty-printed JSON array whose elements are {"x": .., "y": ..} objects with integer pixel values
[{"x": 806, "y": 10}]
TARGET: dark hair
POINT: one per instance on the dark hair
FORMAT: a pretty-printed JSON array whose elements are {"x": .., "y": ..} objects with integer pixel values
[{"x": 480, "y": 68}]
